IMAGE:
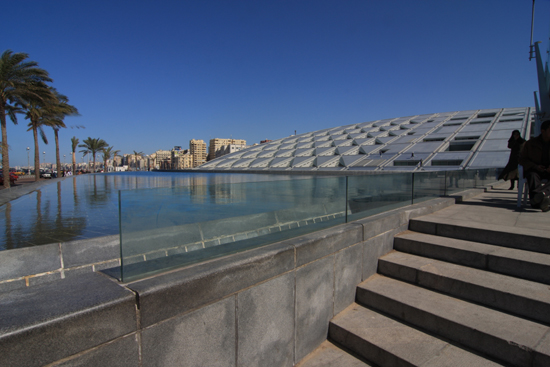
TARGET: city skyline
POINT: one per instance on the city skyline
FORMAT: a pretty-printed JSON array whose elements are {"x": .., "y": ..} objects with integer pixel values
[{"x": 147, "y": 77}]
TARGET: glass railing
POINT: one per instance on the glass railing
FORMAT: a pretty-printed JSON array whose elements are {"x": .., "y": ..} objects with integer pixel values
[{"x": 166, "y": 228}]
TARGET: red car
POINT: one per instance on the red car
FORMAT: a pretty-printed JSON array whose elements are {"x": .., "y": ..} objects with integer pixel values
[{"x": 13, "y": 178}]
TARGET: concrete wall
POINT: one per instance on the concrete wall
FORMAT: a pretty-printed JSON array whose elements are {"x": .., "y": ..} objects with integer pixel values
[{"x": 269, "y": 306}]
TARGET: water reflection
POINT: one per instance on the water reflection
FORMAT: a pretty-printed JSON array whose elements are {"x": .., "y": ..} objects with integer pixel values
[{"x": 86, "y": 206}]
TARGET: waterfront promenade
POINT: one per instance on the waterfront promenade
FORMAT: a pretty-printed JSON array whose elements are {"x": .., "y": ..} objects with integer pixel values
[{"x": 296, "y": 289}]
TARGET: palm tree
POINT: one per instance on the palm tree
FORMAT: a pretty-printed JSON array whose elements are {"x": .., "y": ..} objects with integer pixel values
[
  {"x": 136, "y": 154},
  {"x": 108, "y": 153},
  {"x": 56, "y": 113},
  {"x": 37, "y": 113},
  {"x": 74, "y": 145},
  {"x": 93, "y": 146},
  {"x": 19, "y": 80}
]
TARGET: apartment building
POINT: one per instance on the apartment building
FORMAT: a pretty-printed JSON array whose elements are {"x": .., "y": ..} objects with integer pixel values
[
  {"x": 163, "y": 159},
  {"x": 182, "y": 159},
  {"x": 219, "y": 147},
  {"x": 197, "y": 148}
]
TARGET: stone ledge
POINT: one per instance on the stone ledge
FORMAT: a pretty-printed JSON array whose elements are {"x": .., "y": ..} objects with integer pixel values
[
  {"x": 51, "y": 321},
  {"x": 183, "y": 290}
]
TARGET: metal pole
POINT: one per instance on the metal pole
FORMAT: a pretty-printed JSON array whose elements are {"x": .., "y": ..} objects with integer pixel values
[
  {"x": 346, "y": 202},
  {"x": 531, "y": 50},
  {"x": 412, "y": 189}
]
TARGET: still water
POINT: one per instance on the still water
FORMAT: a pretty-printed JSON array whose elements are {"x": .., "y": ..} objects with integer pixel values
[{"x": 86, "y": 206}]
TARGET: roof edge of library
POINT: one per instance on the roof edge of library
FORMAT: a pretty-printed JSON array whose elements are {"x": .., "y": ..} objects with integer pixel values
[{"x": 438, "y": 141}]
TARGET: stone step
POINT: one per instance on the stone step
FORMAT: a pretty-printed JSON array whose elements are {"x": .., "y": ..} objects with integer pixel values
[
  {"x": 516, "y": 296},
  {"x": 329, "y": 355},
  {"x": 522, "y": 264},
  {"x": 512, "y": 237},
  {"x": 387, "y": 342},
  {"x": 504, "y": 337}
]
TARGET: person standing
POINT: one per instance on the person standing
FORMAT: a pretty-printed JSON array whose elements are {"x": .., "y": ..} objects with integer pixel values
[
  {"x": 510, "y": 172},
  {"x": 535, "y": 159}
]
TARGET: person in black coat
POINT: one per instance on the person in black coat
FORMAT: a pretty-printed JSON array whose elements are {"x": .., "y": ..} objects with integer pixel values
[{"x": 510, "y": 172}]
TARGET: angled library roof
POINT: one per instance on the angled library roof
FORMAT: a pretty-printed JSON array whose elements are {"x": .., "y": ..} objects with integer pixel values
[{"x": 439, "y": 141}]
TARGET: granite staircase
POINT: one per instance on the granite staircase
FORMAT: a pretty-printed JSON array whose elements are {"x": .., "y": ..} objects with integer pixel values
[{"x": 450, "y": 294}]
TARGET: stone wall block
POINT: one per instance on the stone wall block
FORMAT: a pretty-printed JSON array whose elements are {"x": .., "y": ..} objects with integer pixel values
[
  {"x": 205, "y": 337},
  {"x": 180, "y": 291},
  {"x": 375, "y": 247},
  {"x": 121, "y": 352},
  {"x": 428, "y": 207},
  {"x": 25, "y": 261},
  {"x": 48, "y": 322},
  {"x": 384, "y": 222},
  {"x": 314, "y": 304},
  {"x": 316, "y": 245},
  {"x": 347, "y": 273},
  {"x": 265, "y": 328}
]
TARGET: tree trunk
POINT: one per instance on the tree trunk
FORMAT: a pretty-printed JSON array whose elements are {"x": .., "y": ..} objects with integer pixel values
[
  {"x": 5, "y": 157},
  {"x": 36, "y": 154},
  {"x": 74, "y": 164},
  {"x": 57, "y": 157},
  {"x": 93, "y": 162}
]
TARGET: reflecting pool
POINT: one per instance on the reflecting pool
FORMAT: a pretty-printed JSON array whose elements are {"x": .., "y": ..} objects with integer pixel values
[{"x": 86, "y": 206}]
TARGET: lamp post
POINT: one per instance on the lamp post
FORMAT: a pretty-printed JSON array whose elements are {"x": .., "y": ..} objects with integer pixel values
[
  {"x": 44, "y": 153},
  {"x": 28, "y": 162}
]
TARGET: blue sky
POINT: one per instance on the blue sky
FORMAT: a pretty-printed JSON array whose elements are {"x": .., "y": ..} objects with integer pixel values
[{"x": 149, "y": 75}]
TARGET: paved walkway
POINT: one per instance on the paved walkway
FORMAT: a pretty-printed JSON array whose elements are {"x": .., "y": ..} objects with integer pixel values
[
  {"x": 23, "y": 186},
  {"x": 497, "y": 208}
]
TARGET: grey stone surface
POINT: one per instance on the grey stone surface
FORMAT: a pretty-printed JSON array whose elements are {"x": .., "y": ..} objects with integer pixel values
[
  {"x": 29, "y": 261},
  {"x": 509, "y": 294},
  {"x": 78, "y": 314},
  {"x": 46, "y": 278},
  {"x": 180, "y": 291},
  {"x": 265, "y": 328},
  {"x": 374, "y": 248},
  {"x": 74, "y": 272},
  {"x": 522, "y": 264},
  {"x": 83, "y": 252},
  {"x": 387, "y": 342},
  {"x": 314, "y": 304},
  {"x": 542, "y": 352},
  {"x": 316, "y": 245},
  {"x": 496, "y": 334},
  {"x": 448, "y": 249},
  {"x": 384, "y": 222},
  {"x": 501, "y": 235},
  {"x": 428, "y": 207},
  {"x": 106, "y": 265},
  {"x": 121, "y": 352},
  {"x": 13, "y": 285},
  {"x": 347, "y": 275},
  {"x": 205, "y": 337},
  {"x": 329, "y": 355}
]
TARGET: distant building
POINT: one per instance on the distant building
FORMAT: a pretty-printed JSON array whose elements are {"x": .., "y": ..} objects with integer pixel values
[
  {"x": 197, "y": 148},
  {"x": 219, "y": 147},
  {"x": 163, "y": 159},
  {"x": 181, "y": 159}
]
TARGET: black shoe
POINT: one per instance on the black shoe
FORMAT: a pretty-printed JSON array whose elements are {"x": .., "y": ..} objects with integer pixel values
[
  {"x": 536, "y": 200},
  {"x": 511, "y": 188},
  {"x": 545, "y": 205}
]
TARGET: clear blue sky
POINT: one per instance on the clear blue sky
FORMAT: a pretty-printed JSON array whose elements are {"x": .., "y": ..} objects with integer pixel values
[{"x": 148, "y": 75}]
